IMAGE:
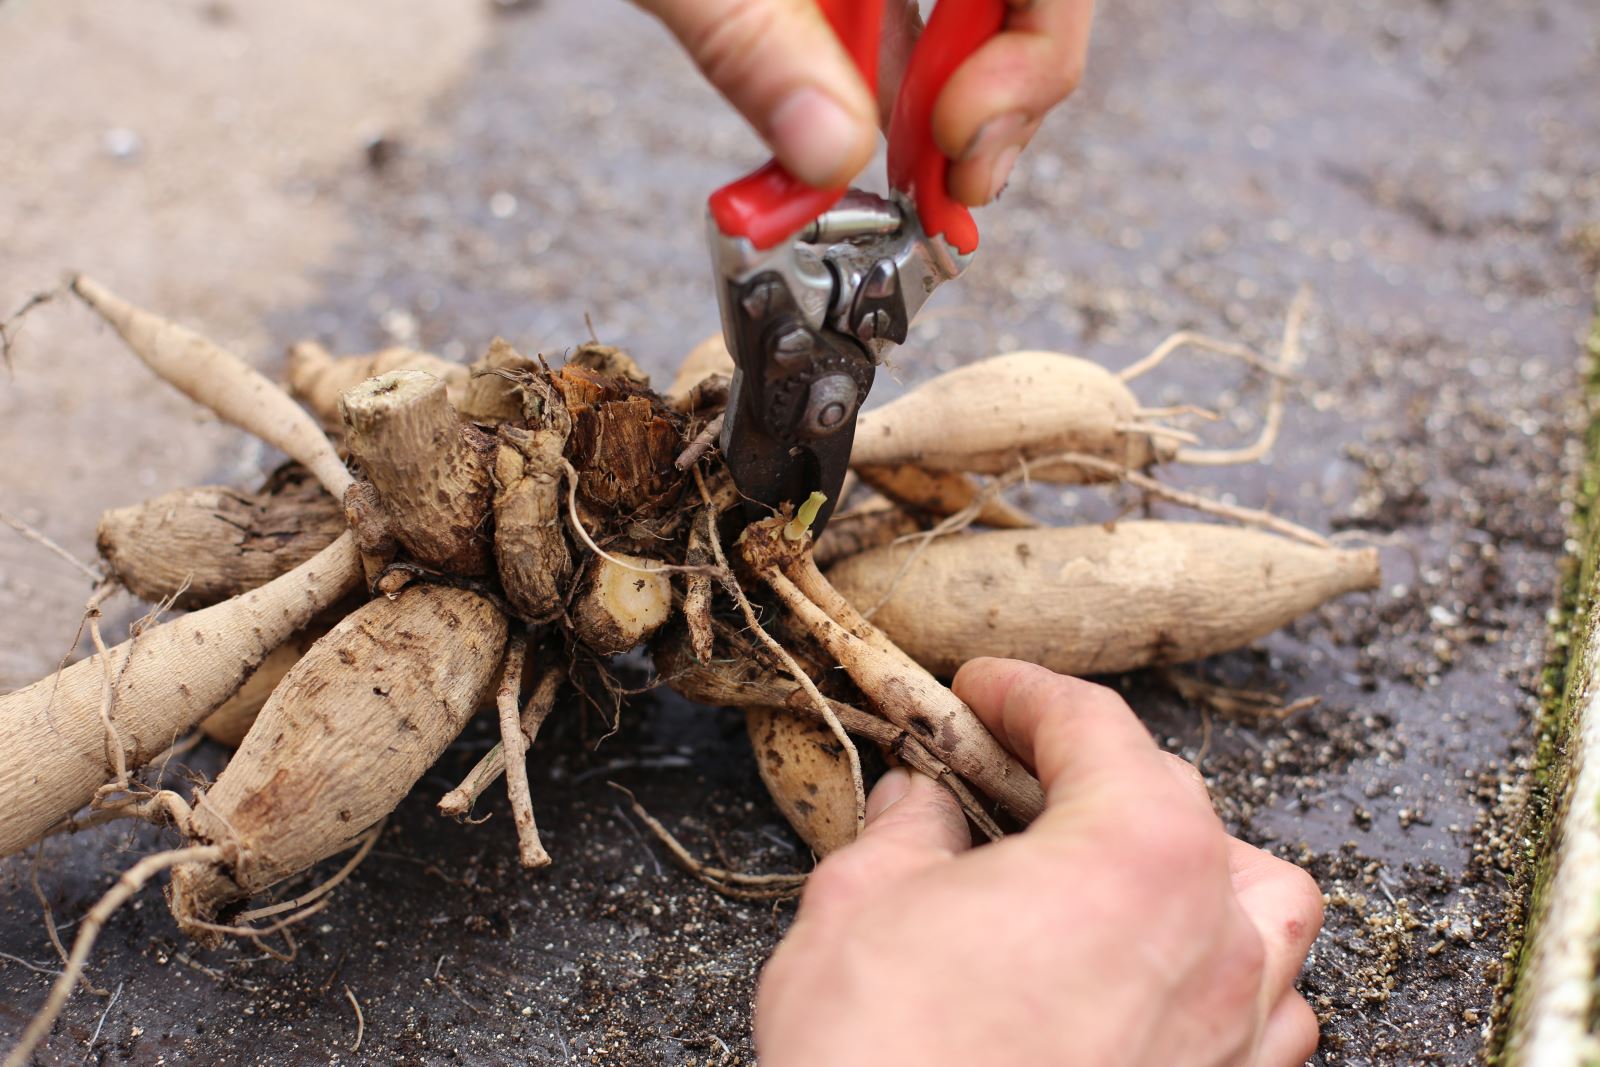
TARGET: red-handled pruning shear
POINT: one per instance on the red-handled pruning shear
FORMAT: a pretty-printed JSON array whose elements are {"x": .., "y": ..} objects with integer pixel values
[{"x": 815, "y": 285}]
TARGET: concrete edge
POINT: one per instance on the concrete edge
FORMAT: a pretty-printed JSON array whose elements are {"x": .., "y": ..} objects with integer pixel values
[{"x": 1550, "y": 1004}]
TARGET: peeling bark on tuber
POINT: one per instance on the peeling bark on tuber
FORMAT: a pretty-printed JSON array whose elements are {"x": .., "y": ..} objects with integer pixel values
[
  {"x": 213, "y": 542},
  {"x": 530, "y": 544}
]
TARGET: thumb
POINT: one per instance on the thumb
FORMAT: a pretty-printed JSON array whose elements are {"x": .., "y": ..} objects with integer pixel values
[
  {"x": 913, "y": 823},
  {"x": 915, "y": 814},
  {"x": 780, "y": 64}
]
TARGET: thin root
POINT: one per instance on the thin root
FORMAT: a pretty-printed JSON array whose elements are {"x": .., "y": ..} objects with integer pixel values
[
  {"x": 583, "y": 535},
  {"x": 11, "y": 326},
  {"x": 514, "y": 751},
  {"x": 732, "y": 883},
  {"x": 115, "y": 754},
  {"x": 132, "y": 880},
  {"x": 1155, "y": 429},
  {"x": 893, "y": 739},
  {"x": 458, "y": 803},
  {"x": 731, "y": 584},
  {"x": 1289, "y": 357},
  {"x": 1178, "y": 411},
  {"x": 39, "y": 538},
  {"x": 94, "y": 1038},
  {"x": 361, "y": 1022},
  {"x": 257, "y": 934},
  {"x": 1234, "y": 704},
  {"x": 700, "y": 445},
  {"x": 312, "y": 895},
  {"x": 1198, "y": 340},
  {"x": 49, "y": 917}
]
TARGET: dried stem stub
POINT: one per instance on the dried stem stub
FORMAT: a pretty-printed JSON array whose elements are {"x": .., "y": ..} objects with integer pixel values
[{"x": 429, "y": 468}]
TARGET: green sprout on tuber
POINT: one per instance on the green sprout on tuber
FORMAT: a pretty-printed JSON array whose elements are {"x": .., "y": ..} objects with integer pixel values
[{"x": 799, "y": 526}]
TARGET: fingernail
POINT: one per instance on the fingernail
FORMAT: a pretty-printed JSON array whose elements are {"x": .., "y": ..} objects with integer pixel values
[
  {"x": 815, "y": 136},
  {"x": 890, "y": 790},
  {"x": 999, "y": 131},
  {"x": 1000, "y": 173}
]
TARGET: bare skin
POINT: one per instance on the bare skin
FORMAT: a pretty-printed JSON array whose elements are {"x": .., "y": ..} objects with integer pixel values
[
  {"x": 1124, "y": 928},
  {"x": 780, "y": 65}
]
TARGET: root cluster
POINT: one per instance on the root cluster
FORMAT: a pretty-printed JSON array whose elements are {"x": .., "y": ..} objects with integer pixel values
[{"x": 447, "y": 539}]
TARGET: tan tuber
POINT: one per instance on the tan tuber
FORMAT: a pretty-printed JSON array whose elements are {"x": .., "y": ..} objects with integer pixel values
[
  {"x": 163, "y": 683},
  {"x": 316, "y": 377},
  {"x": 207, "y": 544},
  {"x": 1092, "y": 599},
  {"x": 343, "y": 738},
  {"x": 989, "y": 416}
]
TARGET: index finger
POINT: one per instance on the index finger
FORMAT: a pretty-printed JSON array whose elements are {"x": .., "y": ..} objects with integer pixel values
[{"x": 1070, "y": 731}]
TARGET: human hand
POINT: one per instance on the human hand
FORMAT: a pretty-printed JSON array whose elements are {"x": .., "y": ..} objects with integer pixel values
[
  {"x": 779, "y": 63},
  {"x": 1124, "y": 928}
]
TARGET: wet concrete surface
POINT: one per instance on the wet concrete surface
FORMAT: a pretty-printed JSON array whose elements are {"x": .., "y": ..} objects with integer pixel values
[{"x": 1428, "y": 170}]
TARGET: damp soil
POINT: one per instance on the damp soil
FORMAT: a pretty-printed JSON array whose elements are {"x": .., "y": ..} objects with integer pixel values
[{"x": 1429, "y": 170}]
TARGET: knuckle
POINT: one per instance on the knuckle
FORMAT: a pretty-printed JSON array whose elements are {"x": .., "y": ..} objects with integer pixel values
[
  {"x": 723, "y": 47},
  {"x": 1185, "y": 770},
  {"x": 1247, "y": 958},
  {"x": 1070, "y": 707},
  {"x": 1085, "y": 692},
  {"x": 1305, "y": 917},
  {"x": 1068, "y": 76},
  {"x": 1234, "y": 975},
  {"x": 1058, "y": 63},
  {"x": 1177, "y": 845}
]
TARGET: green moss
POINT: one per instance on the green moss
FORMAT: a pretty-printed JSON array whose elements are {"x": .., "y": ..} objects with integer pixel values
[{"x": 1566, "y": 672}]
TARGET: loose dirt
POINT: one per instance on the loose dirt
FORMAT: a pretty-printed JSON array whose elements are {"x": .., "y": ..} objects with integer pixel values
[{"x": 1429, "y": 171}]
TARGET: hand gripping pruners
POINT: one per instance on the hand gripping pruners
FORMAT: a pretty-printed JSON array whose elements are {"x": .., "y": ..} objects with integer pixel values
[{"x": 815, "y": 285}]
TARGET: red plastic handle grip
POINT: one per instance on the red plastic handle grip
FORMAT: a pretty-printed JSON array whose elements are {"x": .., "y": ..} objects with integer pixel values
[
  {"x": 916, "y": 166},
  {"x": 770, "y": 204}
]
